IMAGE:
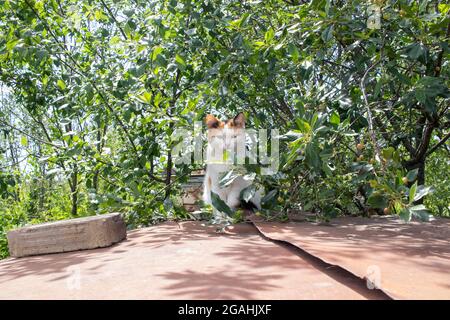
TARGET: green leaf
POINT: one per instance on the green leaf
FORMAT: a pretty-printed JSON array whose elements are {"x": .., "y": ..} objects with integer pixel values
[
  {"x": 312, "y": 156},
  {"x": 427, "y": 89},
  {"x": 146, "y": 97},
  {"x": 398, "y": 206},
  {"x": 387, "y": 153},
  {"x": 241, "y": 21},
  {"x": 100, "y": 16},
  {"x": 334, "y": 118},
  {"x": 180, "y": 62},
  {"x": 418, "y": 207},
  {"x": 415, "y": 51},
  {"x": 412, "y": 192},
  {"x": 156, "y": 52},
  {"x": 61, "y": 84},
  {"x": 11, "y": 44},
  {"x": 405, "y": 214},
  {"x": 24, "y": 141},
  {"x": 89, "y": 92},
  {"x": 303, "y": 125},
  {"x": 377, "y": 89},
  {"x": 318, "y": 5},
  {"x": 268, "y": 36},
  {"x": 420, "y": 95},
  {"x": 444, "y": 8},
  {"x": 422, "y": 191},
  {"x": 412, "y": 175},
  {"x": 327, "y": 168},
  {"x": 269, "y": 197},
  {"x": 227, "y": 179},
  {"x": 220, "y": 205},
  {"x": 327, "y": 7},
  {"x": 158, "y": 98},
  {"x": 377, "y": 200},
  {"x": 421, "y": 212},
  {"x": 292, "y": 135},
  {"x": 248, "y": 193},
  {"x": 327, "y": 34},
  {"x": 293, "y": 51}
]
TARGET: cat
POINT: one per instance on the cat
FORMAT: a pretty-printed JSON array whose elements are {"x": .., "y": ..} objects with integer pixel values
[{"x": 226, "y": 137}]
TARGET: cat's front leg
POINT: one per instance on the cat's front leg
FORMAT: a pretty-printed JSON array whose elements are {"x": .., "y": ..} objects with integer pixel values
[{"x": 221, "y": 192}]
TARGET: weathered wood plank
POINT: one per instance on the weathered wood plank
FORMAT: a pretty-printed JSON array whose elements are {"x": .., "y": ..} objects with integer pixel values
[{"x": 67, "y": 235}]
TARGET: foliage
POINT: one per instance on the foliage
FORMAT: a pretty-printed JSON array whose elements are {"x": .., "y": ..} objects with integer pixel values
[
  {"x": 362, "y": 104},
  {"x": 438, "y": 175}
]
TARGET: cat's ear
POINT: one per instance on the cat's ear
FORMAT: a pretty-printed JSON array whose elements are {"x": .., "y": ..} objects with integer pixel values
[
  {"x": 239, "y": 120},
  {"x": 212, "y": 122}
]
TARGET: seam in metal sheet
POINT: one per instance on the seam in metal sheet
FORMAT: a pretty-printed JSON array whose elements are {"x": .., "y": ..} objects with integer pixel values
[{"x": 325, "y": 266}]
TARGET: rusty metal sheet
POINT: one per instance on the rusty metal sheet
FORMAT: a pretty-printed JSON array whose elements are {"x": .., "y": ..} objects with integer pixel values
[
  {"x": 176, "y": 261},
  {"x": 406, "y": 260}
]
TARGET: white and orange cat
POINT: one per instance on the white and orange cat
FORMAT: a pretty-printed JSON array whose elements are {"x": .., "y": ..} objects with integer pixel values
[{"x": 226, "y": 138}]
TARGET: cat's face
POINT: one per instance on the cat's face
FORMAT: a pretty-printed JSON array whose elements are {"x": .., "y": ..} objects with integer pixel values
[{"x": 228, "y": 134}]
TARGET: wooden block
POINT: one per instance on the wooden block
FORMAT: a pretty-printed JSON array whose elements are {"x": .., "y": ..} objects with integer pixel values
[{"x": 67, "y": 235}]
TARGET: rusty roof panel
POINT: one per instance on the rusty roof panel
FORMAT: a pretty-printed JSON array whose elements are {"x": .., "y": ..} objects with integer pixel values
[
  {"x": 406, "y": 260},
  {"x": 175, "y": 261}
]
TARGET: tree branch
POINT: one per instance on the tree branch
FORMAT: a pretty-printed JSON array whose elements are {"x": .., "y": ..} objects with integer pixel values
[
  {"x": 114, "y": 18},
  {"x": 437, "y": 145},
  {"x": 426, "y": 137},
  {"x": 29, "y": 135},
  {"x": 369, "y": 112}
]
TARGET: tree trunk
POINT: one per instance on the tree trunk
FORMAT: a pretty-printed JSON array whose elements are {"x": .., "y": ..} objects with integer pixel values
[
  {"x": 168, "y": 173},
  {"x": 74, "y": 191},
  {"x": 99, "y": 150},
  {"x": 74, "y": 210},
  {"x": 420, "y": 174}
]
